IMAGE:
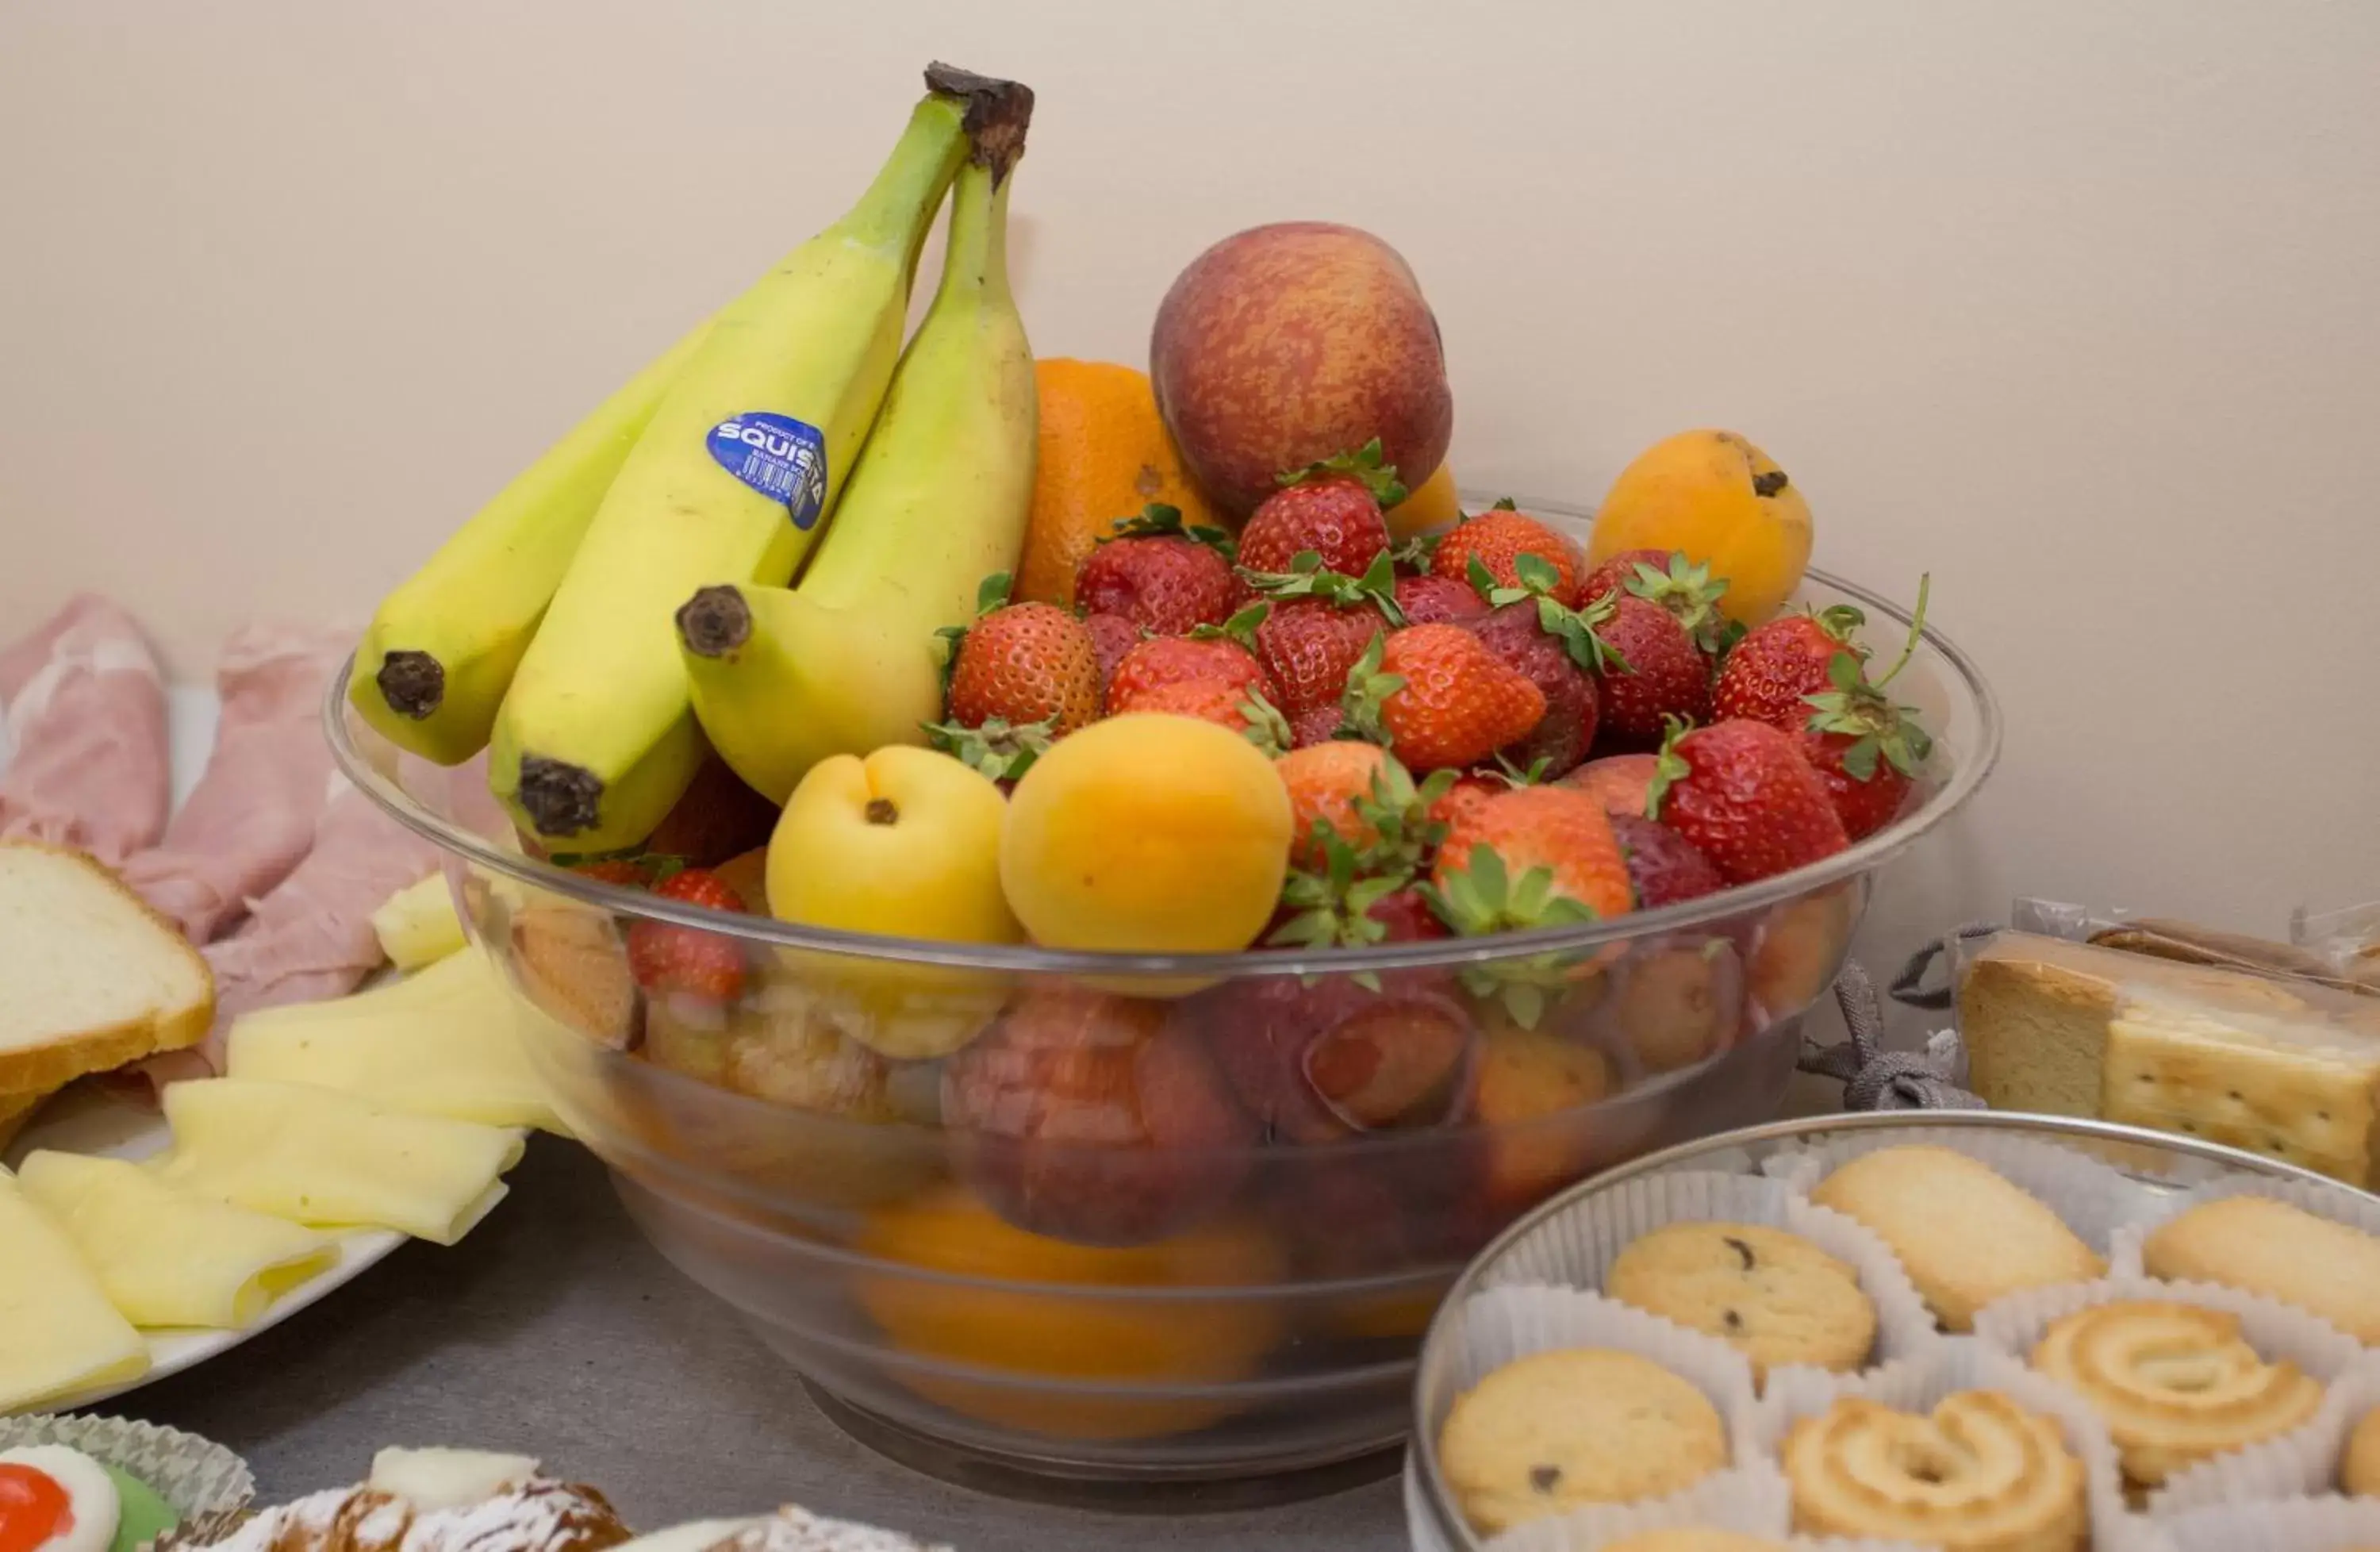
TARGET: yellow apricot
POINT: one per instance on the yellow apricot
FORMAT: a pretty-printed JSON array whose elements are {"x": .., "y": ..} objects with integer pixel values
[
  {"x": 1431, "y": 505},
  {"x": 1723, "y": 501}
]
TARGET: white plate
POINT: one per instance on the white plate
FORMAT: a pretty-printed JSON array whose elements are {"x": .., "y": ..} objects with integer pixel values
[{"x": 80, "y": 1121}]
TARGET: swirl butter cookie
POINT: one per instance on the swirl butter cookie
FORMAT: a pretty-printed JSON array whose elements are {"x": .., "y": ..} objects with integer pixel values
[
  {"x": 1979, "y": 1473},
  {"x": 2359, "y": 1464},
  {"x": 1577, "y": 1425},
  {"x": 2174, "y": 1383},
  {"x": 1774, "y": 1296},
  {"x": 1966, "y": 1233}
]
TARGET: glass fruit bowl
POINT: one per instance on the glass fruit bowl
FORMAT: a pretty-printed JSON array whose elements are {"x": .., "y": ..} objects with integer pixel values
[{"x": 1160, "y": 1219}]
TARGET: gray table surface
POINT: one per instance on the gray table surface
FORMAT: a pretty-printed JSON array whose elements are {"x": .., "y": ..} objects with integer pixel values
[{"x": 556, "y": 1331}]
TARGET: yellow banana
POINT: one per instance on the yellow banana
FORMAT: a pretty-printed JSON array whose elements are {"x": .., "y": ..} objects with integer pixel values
[
  {"x": 846, "y": 661},
  {"x": 442, "y": 647},
  {"x": 742, "y": 463}
]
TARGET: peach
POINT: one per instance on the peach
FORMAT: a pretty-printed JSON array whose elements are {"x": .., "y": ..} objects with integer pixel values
[
  {"x": 1147, "y": 833},
  {"x": 1529, "y": 1085},
  {"x": 1290, "y": 344},
  {"x": 1618, "y": 781},
  {"x": 1094, "y": 1118},
  {"x": 1801, "y": 950}
]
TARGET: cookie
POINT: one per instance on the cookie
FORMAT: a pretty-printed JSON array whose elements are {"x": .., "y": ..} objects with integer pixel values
[
  {"x": 1773, "y": 1296},
  {"x": 1966, "y": 1234},
  {"x": 1688, "y": 1538},
  {"x": 2260, "y": 1245},
  {"x": 1979, "y": 1473},
  {"x": 2173, "y": 1382},
  {"x": 2359, "y": 1464},
  {"x": 1577, "y": 1425}
]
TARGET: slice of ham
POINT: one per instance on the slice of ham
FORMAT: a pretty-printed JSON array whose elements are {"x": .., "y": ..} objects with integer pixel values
[
  {"x": 311, "y": 938},
  {"x": 252, "y": 815},
  {"x": 89, "y": 764}
]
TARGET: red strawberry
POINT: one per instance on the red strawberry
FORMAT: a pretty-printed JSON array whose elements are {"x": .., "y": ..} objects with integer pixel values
[
  {"x": 1324, "y": 781},
  {"x": 1618, "y": 781},
  {"x": 1111, "y": 637},
  {"x": 1663, "y": 866},
  {"x": 1613, "y": 574},
  {"x": 1562, "y": 831},
  {"x": 665, "y": 957},
  {"x": 1161, "y": 578},
  {"x": 1767, "y": 673},
  {"x": 1315, "y": 1061},
  {"x": 1498, "y": 539},
  {"x": 1559, "y": 742},
  {"x": 1431, "y": 601},
  {"x": 628, "y": 872},
  {"x": 1664, "y": 675},
  {"x": 1439, "y": 698},
  {"x": 1021, "y": 676},
  {"x": 1173, "y": 659},
  {"x": 1405, "y": 918},
  {"x": 1742, "y": 793},
  {"x": 1315, "y": 725},
  {"x": 1224, "y": 703},
  {"x": 1864, "y": 748},
  {"x": 1677, "y": 585},
  {"x": 1311, "y": 645},
  {"x": 1331, "y": 510},
  {"x": 1468, "y": 793}
]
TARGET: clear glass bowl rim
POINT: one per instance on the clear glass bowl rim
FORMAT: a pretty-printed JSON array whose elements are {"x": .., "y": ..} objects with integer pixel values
[{"x": 1029, "y": 960}]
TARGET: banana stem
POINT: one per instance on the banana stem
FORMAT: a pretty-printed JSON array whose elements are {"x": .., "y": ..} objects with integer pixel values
[
  {"x": 913, "y": 178},
  {"x": 977, "y": 258}
]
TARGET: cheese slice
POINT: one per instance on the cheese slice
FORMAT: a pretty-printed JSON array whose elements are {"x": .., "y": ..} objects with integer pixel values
[
  {"x": 445, "y": 1043},
  {"x": 319, "y": 1157},
  {"x": 58, "y": 1333},
  {"x": 168, "y": 1255}
]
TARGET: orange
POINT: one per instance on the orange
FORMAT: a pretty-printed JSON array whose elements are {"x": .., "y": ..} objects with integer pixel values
[
  {"x": 1103, "y": 455},
  {"x": 1067, "y": 1339},
  {"x": 1429, "y": 506}
]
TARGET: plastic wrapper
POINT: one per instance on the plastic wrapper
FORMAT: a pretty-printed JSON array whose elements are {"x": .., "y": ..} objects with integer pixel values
[
  {"x": 2347, "y": 940},
  {"x": 208, "y": 1487}
]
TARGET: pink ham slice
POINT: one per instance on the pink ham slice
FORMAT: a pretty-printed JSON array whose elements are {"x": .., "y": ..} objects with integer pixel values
[
  {"x": 311, "y": 938},
  {"x": 88, "y": 763},
  {"x": 252, "y": 816}
]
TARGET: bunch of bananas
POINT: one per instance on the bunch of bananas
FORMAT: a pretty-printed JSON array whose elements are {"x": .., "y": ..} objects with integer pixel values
[{"x": 629, "y": 602}]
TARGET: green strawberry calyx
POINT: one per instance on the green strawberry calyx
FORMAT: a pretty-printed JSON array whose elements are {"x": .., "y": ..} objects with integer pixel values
[
  {"x": 1333, "y": 904},
  {"x": 1574, "y": 628},
  {"x": 1396, "y": 809},
  {"x": 1687, "y": 591},
  {"x": 1157, "y": 520},
  {"x": 1363, "y": 711},
  {"x": 1365, "y": 464},
  {"x": 1307, "y": 577},
  {"x": 1418, "y": 553},
  {"x": 1670, "y": 766},
  {"x": 1857, "y": 707},
  {"x": 1267, "y": 729},
  {"x": 1240, "y": 628},
  {"x": 1000, "y": 749},
  {"x": 1482, "y": 898}
]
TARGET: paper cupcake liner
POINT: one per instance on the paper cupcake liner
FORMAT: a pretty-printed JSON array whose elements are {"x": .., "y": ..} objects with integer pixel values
[
  {"x": 1961, "y": 1364},
  {"x": 2330, "y": 1524},
  {"x": 2300, "y": 1460},
  {"x": 2093, "y": 1199},
  {"x": 1757, "y": 1501},
  {"x": 2339, "y": 1203},
  {"x": 208, "y": 1485},
  {"x": 1421, "y": 1524},
  {"x": 1577, "y": 1246},
  {"x": 2304, "y": 1463}
]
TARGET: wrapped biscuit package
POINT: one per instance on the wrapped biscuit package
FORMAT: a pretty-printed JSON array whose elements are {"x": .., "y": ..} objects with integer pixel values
[
  {"x": 1577, "y": 1246},
  {"x": 2196, "y": 1418}
]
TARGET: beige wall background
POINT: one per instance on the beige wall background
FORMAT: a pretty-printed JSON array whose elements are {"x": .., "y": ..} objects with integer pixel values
[{"x": 2072, "y": 304}]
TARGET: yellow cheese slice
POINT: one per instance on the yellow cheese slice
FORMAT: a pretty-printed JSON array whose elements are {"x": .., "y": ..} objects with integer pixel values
[
  {"x": 319, "y": 1157},
  {"x": 445, "y": 1043},
  {"x": 168, "y": 1255},
  {"x": 58, "y": 1333}
]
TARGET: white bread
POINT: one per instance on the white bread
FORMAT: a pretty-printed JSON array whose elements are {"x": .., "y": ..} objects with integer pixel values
[
  {"x": 16, "y": 1109},
  {"x": 91, "y": 978}
]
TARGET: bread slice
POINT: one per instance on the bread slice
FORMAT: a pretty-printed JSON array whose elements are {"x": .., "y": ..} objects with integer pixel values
[
  {"x": 16, "y": 1109},
  {"x": 93, "y": 978}
]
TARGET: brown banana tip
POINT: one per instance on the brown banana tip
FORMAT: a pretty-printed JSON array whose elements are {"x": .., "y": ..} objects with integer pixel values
[
  {"x": 998, "y": 113},
  {"x": 560, "y": 798},
  {"x": 414, "y": 684},
  {"x": 714, "y": 621}
]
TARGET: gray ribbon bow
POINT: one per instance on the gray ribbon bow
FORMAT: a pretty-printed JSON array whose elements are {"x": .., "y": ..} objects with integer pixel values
[{"x": 1876, "y": 1079}]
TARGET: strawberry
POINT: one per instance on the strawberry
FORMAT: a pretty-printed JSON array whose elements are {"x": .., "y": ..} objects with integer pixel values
[
  {"x": 1310, "y": 646},
  {"x": 1468, "y": 793},
  {"x": 1324, "y": 781},
  {"x": 1661, "y": 673},
  {"x": 1866, "y": 750},
  {"x": 1498, "y": 539},
  {"x": 1315, "y": 725},
  {"x": 1742, "y": 793},
  {"x": 665, "y": 957},
  {"x": 1206, "y": 653},
  {"x": 1437, "y": 697},
  {"x": 1677, "y": 585},
  {"x": 1021, "y": 676},
  {"x": 1612, "y": 574},
  {"x": 1317, "y": 1059},
  {"x": 1164, "y": 579},
  {"x": 1111, "y": 637},
  {"x": 1331, "y": 510},
  {"x": 1560, "y": 740},
  {"x": 1663, "y": 866},
  {"x": 1429, "y": 601},
  {"x": 1767, "y": 673},
  {"x": 626, "y": 872},
  {"x": 1224, "y": 703},
  {"x": 1618, "y": 781},
  {"x": 1558, "y": 830},
  {"x": 1334, "y": 903}
]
